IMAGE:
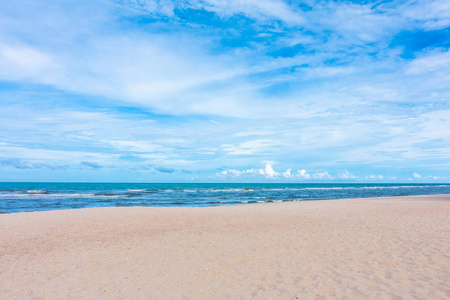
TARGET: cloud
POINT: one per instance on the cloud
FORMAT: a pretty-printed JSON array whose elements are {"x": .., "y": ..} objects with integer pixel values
[
  {"x": 18, "y": 164},
  {"x": 237, "y": 173},
  {"x": 154, "y": 73},
  {"x": 92, "y": 165},
  {"x": 24, "y": 152},
  {"x": 355, "y": 23},
  {"x": 134, "y": 146},
  {"x": 252, "y": 133},
  {"x": 23, "y": 62},
  {"x": 249, "y": 147},
  {"x": 21, "y": 164},
  {"x": 429, "y": 14},
  {"x": 303, "y": 174},
  {"x": 287, "y": 174},
  {"x": 322, "y": 176},
  {"x": 149, "y": 68},
  {"x": 433, "y": 61},
  {"x": 417, "y": 176},
  {"x": 165, "y": 169},
  {"x": 269, "y": 171},
  {"x": 263, "y": 10},
  {"x": 346, "y": 175},
  {"x": 203, "y": 83}
]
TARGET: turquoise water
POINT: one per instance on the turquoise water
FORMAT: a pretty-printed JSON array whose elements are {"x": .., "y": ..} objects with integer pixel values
[{"x": 23, "y": 197}]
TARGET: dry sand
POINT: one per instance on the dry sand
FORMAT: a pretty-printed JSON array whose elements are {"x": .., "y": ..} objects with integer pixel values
[{"x": 379, "y": 248}]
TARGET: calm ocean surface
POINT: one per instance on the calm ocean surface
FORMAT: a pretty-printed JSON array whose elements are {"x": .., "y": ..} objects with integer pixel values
[{"x": 22, "y": 197}]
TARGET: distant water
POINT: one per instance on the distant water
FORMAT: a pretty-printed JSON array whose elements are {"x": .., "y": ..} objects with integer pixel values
[{"x": 23, "y": 197}]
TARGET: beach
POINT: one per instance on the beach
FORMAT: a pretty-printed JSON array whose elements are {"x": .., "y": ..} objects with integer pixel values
[{"x": 372, "y": 248}]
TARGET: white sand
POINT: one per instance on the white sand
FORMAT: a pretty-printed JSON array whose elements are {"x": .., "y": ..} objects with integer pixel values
[{"x": 379, "y": 248}]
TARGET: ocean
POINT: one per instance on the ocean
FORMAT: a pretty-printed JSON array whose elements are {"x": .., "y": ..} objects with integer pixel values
[{"x": 26, "y": 197}]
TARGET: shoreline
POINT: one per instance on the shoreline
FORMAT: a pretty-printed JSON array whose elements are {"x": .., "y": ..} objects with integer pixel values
[
  {"x": 378, "y": 247},
  {"x": 236, "y": 204}
]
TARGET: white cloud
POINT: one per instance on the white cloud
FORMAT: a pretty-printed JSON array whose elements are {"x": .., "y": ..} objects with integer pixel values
[
  {"x": 355, "y": 23},
  {"x": 346, "y": 175},
  {"x": 25, "y": 62},
  {"x": 372, "y": 106},
  {"x": 322, "y": 175},
  {"x": 230, "y": 172},
  {"x": 257, "y": 9},
  {"x": 137, "y": 146},
  {"x": 54, "y": 155},
  {"x": 417, "y": 176},
  {"x": 287, "y": 174},
  {"x": 253, "y": 132},
  {"x": 379, "y": 177},
  {"x": 430, "y": 14},
  {"x": 236, "y": 150},
  {"x": 434, "y": 61},
  {"x": 269, "y": 171},
  {"x": 178, "y": 73},
  {"x": 262, "y": 10},
  {"x": 303, "y": 174},
  {"x": 237, "y": 173},
  {"x": 249, "y": 147}
]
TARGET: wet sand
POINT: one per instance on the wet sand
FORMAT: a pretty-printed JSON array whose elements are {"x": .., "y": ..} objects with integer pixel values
[{"x": 377, "y": 248}]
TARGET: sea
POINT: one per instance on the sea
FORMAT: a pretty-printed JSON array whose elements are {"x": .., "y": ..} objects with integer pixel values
[{"x": 27, "y": 197}]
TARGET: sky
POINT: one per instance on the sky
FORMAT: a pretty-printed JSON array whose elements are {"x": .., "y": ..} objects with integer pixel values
[{"x": 225, "y": 91}]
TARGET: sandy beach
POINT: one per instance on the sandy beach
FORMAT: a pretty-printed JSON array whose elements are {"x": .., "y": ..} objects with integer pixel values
[{"x": 377, "y": 248}]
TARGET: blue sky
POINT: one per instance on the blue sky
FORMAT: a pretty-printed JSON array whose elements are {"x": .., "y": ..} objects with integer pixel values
[{"x": 225, "y": 91}]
